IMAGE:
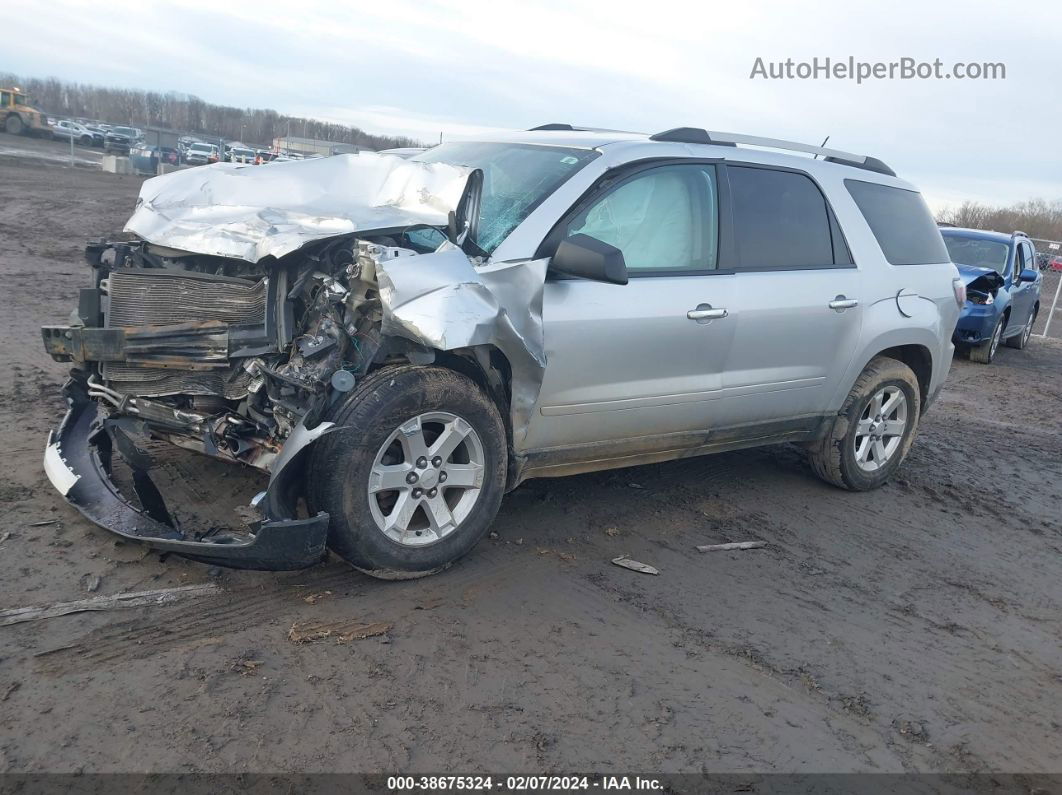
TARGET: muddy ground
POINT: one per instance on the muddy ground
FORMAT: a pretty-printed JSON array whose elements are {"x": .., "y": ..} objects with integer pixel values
[{"x": 916, "y": 628}]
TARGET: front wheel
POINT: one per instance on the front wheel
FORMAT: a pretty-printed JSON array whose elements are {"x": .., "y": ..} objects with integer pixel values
[
  {"x": 874, "y": 429},
  {"x": 986, "y": 351},
  {"x": 415, "y": 474},
  {"x": 13, "y": 124}
]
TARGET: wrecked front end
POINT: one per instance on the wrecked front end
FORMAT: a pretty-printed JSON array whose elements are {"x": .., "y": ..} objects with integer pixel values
[
  {"x": 985, "y": 302},
  {"x": 230, "y": 328}
]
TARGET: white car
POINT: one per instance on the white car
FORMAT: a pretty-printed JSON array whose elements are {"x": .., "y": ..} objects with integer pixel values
[
  {"x": 71, "y": 130},
  {"x": 199, "y": 154}
]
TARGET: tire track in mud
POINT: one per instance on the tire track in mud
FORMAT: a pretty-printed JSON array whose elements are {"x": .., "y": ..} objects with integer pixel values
[{"x": 210, "y": 620}]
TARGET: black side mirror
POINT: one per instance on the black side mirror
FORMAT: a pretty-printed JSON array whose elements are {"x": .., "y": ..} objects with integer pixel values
[
  {"x": 1027, "y": 275},
  {"x": 586, "y": 257}
]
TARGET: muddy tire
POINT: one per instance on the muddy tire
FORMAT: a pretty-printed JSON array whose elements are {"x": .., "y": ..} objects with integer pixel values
[
  {"x": 874, "y": 429},
  {"x": 986, "y": 351},
  {"x": 1019, "y": 341},
  {"x": 13, "y": 124},
  {"x": 414, "y": 476}
]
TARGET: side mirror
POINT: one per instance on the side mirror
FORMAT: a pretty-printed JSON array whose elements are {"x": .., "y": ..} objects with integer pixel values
[
  {"x": 586, "y": 257},
  {"x": 1027, "y": 275}
]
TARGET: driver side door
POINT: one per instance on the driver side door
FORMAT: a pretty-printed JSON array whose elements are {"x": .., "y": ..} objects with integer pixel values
[{"x": 632, "y": 369}]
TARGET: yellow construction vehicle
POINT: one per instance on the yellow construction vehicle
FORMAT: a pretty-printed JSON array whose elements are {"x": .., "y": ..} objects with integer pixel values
[{"x": 18, "y": 116}]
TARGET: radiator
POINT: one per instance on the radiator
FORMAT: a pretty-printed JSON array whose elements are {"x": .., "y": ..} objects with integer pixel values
[
  {"x": 151, "y": 297},
  {"x": 164, "y": 298}
]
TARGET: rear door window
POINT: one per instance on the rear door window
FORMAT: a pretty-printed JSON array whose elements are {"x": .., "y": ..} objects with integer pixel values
[
  {"x": 782, "y": 221},
  {"x": 901, "y": 223}
]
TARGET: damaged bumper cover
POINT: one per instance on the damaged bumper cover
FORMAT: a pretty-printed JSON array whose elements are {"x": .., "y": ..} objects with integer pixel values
[{"x": 77, "y": 460}]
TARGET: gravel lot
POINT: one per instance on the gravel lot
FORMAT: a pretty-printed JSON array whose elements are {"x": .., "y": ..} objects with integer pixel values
[{"x": 916, "y": 628}]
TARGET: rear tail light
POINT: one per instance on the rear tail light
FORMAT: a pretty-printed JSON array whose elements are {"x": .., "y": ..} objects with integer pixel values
[{"x": 960, "y": 292}]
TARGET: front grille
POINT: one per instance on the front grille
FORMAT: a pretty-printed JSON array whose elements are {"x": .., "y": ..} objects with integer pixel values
[{"x": 165, "y": 298}]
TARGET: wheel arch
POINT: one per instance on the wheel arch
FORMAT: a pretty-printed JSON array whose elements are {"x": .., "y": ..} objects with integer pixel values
[
  {"x": 491, "y": 370},
  {"x": 912, "y": 347},
  {"x": 920, "y": 359}
]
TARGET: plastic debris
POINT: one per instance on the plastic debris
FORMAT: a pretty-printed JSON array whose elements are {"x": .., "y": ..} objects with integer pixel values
[
  {"x": 635, "y": 565},
  {"x": 734, "y": 545}
]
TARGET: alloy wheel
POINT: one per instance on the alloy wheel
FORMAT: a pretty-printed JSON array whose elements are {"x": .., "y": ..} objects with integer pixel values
[
  {"x": 880, "y": 429},
  {"x": 426, "y": 478}
]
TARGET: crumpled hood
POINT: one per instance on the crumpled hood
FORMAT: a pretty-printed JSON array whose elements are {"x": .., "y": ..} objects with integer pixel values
[
  {"x": 971, "y": 273},
  {"x": 250, "y": 212}
]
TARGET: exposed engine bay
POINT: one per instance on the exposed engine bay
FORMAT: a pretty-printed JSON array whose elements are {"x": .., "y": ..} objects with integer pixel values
[
  {"x": 225, "y": 357},
  {"x": 983, "y": 289},
  {"x": 242, "y": 359}
]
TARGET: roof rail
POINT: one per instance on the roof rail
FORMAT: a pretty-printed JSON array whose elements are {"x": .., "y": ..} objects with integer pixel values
[{"x": 696, "y": 135}]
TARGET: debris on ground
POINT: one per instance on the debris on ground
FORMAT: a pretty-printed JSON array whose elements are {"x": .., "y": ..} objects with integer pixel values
[
  {"x": 11, "y": 688},
  {"x": 4, "y": 537},
  {"x": 635, "y": 565},
  {"x": 93, "y": 584},
  {"x": 245, "y": 666},
  {"x": 342, "y": 631},
  {"x": 314, "y": 598},
  {"x": 733, "y": 545},
  {"x": 611, "y": 532},
  {"x": 42, "y": 523},
  {"x": 17, "y": 615},
  {"x": 636, "y": 485}
]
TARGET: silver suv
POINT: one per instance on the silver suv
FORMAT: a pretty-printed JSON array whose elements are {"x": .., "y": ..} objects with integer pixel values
[{"x": 398, "y": 342}]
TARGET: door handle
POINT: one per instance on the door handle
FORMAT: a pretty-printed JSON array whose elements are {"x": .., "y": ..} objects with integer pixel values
[
  {"x": 840, "y": 303},
  {"x": 706, "y": 312}
]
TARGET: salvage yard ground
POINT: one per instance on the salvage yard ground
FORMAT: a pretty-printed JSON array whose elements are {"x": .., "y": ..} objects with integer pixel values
[{"x": 914, "y": 628}]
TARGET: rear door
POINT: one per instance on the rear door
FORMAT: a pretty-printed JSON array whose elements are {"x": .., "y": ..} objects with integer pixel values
[
  {"x": 797, "y": 303},
  {"x": 641, "y": 361}
]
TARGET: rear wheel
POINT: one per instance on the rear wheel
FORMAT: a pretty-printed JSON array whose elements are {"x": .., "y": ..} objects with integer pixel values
[
  {"x": 986, "y": 351},
  {"x": 13, "y": 124},
  {"x": 874, "y": 429},
  {"x": 416, "y": 473},
  {"x": 1019, "y": 341}
]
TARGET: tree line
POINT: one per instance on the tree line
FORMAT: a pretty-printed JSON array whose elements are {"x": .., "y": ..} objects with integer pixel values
[
  {"x": 1037, "y": 218},
  {"x": 186, "y": 113}
]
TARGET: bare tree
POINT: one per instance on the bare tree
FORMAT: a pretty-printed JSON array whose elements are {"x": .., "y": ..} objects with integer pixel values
[{"x": 1037, "y": 218}]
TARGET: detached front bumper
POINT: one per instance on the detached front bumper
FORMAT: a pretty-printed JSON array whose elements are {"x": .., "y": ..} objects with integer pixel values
[{"x": 77, "y": 460}]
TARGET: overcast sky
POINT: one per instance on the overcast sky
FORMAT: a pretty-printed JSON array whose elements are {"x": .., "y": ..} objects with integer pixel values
[{"x": 422, "y": 67}]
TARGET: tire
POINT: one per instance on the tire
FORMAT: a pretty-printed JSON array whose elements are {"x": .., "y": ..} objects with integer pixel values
[
  {"x": 13, "y": 124},
  {"x": 347, "y": 463},
  {"x": 986, "y": 351},
  {"x": 85, "y": 140},
  {"x": 1020, "y": 340},
  {"x": 834, "y": 458}
]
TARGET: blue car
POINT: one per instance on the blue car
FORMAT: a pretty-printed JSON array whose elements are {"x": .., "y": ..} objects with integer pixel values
[{"x": 1002, "y": 290}]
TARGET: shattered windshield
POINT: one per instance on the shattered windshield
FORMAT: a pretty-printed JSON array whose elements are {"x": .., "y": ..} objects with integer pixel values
[
  {"x": 978, "y": 253},
  {"x": 516, "y": 179}
]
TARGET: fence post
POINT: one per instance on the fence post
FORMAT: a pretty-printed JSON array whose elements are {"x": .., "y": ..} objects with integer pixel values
[{"x": 1054, "y": 303}]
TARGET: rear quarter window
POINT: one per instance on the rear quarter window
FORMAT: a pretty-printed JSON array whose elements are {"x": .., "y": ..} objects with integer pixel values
[{"x": 901, "y": 223}]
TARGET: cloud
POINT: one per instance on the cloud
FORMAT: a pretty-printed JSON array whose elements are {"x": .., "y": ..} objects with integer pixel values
[{"x": 421, "y": 67}]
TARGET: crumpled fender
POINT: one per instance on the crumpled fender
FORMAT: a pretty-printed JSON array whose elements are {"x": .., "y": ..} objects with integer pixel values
[{"x": 443, "y": 301}]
